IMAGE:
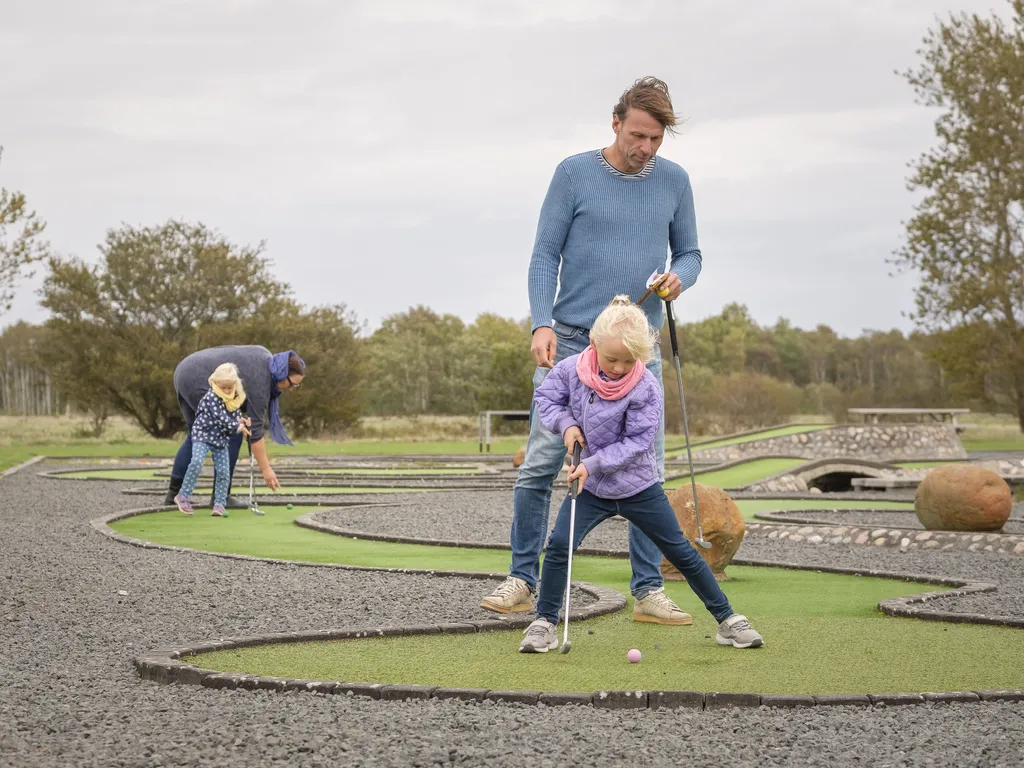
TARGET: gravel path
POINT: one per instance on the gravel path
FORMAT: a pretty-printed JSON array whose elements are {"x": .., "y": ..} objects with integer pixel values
[{"x": 69, "y": 696}]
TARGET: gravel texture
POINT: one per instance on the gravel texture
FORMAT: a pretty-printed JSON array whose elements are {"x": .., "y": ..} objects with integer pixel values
[{"x": 69, "y": 696}]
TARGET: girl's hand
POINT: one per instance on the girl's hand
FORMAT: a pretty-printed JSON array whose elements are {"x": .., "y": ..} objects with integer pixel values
[
  {"x": 270, "y": 479},
  {"x": 571, "y": 437},
  {"x": 242, "y": 428},
  {"x": 247, "y": 421},
  {"x": 579, "y": 471}
]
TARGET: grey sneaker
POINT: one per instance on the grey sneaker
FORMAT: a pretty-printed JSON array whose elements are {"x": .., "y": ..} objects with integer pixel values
[
  {"x": 737, "y": 632},
  {"x": 541, "y": 637},
  {"x": 657, "y": 608},
  {"x": 513, "y": 596}
]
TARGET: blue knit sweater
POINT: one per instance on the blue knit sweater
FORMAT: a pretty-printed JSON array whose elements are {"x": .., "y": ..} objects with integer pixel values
[{"x": 610, "y": 231}]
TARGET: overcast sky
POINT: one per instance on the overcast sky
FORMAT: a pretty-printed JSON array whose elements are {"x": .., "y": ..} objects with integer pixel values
[{"x": 396, "y": 152}]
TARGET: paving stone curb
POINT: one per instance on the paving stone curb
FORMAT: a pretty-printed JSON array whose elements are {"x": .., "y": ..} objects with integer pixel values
[{"x": 904, "y": 539}]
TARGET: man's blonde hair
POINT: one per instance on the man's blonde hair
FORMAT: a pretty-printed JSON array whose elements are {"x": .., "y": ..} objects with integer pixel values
[
  {"x": 651, "y": 95},
  {"x": 227, "y": 373},
  {"x": 622, "y": 319}
]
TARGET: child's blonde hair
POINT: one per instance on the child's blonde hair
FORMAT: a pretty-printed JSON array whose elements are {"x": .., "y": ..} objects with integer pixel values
[
  {"x": 228, "y": 372},
  {"x": 622, "y": 319}
]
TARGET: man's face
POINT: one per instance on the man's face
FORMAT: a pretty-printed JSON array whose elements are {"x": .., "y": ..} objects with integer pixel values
[{"x": 638, "y": 137}]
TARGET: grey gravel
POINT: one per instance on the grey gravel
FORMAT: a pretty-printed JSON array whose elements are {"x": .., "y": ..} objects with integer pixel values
[{"x": 69, "y": 696}]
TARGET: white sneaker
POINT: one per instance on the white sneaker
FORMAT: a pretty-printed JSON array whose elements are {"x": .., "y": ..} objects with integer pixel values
[
  {"x": 737, "y": 632},
  {"x": 513, "y": 596},
  {"x": 657, "y": 608},
  {"x": 541, "y": 637}
]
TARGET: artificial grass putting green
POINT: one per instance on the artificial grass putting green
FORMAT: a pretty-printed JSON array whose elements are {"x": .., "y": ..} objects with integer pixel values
[
  {"x": 823, "y": 633},
  {"x": 742, "y": 474},
  {"x": 793, "y": 429},
  {"x": 390, "y": 471}
]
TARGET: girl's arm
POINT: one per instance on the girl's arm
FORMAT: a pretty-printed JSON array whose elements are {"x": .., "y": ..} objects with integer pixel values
[
  {"x": 643, "y": 415},
  {"x": 552, "y": 398}
]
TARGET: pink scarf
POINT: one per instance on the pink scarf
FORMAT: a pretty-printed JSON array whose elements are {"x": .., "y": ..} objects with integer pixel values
[{"x": 607, "y": 389}]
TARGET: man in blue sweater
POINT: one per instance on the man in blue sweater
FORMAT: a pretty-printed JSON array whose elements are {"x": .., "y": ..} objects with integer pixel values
[{"x": 611, "y": 217}]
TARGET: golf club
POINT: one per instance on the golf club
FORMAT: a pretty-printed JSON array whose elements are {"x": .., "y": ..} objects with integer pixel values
[
  {"x": 254, "y": 506},
  {"x": 701, "y": 541},
  {"x": 574, "y": 490}
]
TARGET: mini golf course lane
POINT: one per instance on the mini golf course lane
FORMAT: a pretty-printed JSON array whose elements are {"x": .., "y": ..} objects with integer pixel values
[
  {"x": 823, "y": 633},
  {"x": 792, "y": 429},
  {"x": 740, "y": 475}
]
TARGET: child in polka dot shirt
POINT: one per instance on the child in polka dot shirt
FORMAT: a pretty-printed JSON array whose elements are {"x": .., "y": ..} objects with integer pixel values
[{"x": 218, "y": 417}]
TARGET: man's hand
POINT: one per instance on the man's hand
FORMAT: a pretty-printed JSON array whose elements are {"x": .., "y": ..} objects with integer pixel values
[
  {"x": 670, "y": 288},
  {"x": 571, "y": 437},
  {"x": 270, "y": 479},
  {"x": 543, "y": 347},
  {"x": 579, "y": 471}
]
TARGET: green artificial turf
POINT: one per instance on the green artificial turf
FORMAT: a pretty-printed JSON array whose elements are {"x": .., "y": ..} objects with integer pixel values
[
  {"x": 391, "y": 471},
  {"x": 823, "y": 633},
  {"x": 742, "y": 474},
  {"x": 793, "y": 429}
]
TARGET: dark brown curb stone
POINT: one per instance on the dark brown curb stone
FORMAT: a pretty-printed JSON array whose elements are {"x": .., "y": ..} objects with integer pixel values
[
  {"x": 220, "y": 680},
  {"x": 553, "y": 699},
  {"x": 722, "y": 700},
  {"x": 895, "y": 699},
  {"x": 456, "y": 629},
  {"x": 360, "y": 689},
  {"x": 189, "y": 675},
  {"x": 403, "y": 692},
  {"x": 463, "y": 694},
  {"x": 843, "y": 699},
  {"x": 493, "y": 625},
  {"x": 1001, "y": 695},
  {"x": 786, "y": 700},
  {"x": 620, "y": 699},
  {"x": 951, "y": 696},
  {"x": 265, "y": 683},
  {"x": 415, "y": 629},
  {"x": 514, "y": 697},
  {"x": 293, "y": 684},
  {"x": 675, "y": 700}
]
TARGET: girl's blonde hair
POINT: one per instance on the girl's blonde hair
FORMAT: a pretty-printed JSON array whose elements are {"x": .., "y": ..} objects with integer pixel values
[
  {"x": 622, "y": 319},
  {"x": 228, "y": 372}
]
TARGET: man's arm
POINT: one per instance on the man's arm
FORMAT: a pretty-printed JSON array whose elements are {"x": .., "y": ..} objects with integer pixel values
[
  {"x": 556, "y": 216},
  {"x": 682, "y": 237}
]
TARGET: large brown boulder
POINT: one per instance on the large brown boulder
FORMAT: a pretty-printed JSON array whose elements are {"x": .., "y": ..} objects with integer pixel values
[
  {"x": 722, "y": 522},
  {"x": 519, "y": 458},
  {"x": 962, "y": 497}
]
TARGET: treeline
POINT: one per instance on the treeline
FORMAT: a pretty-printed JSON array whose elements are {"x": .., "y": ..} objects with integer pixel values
[{"x": 118, "y": 328}]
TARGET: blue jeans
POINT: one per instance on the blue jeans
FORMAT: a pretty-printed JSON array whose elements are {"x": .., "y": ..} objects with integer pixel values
[
  {"x": 649, "y": 510},
  {"x": 184, "y": 455},
  {"x": 220, "y": 471},
  {"x": 545, "y": 455}
]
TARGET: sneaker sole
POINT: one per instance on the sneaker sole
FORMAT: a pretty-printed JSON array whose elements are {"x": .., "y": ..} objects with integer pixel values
[
  {"x": 520, "y": 608},
  {"x": 726, "y": 641},
  {"x": 646, "y": 617},
  {"x": 534, "y": 649}
]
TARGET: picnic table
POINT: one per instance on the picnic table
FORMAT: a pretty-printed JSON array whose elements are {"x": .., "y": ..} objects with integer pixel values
[
  {"x": 875, "y": 415},
  {"x": 484, "y": 424}
]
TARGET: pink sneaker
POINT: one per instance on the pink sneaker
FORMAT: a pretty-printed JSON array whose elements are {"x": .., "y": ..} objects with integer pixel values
[
  {"x": 184, "y": 504},
  {"x": 219, "y": 511}
]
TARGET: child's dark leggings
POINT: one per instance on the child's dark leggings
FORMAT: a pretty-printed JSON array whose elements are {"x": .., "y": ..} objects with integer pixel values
[{"x": 652, "y": 513}]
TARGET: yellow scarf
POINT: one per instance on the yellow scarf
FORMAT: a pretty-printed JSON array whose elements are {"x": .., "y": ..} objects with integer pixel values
[{"x": 233, "y": 401}]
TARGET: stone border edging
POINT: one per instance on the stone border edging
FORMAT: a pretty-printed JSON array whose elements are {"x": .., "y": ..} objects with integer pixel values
[
  {"x": 164, "y": 665},
  {"x": 24, "y": 465},
  {"x": 815, "y": 533}
]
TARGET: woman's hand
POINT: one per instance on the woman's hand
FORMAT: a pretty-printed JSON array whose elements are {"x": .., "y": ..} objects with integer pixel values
[
  {"x": 270, "y": 479},
  {"x": 578, "y": 472}
]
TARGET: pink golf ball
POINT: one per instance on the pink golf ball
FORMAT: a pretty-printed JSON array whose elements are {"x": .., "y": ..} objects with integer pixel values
[{"x": 633, "y": 656}]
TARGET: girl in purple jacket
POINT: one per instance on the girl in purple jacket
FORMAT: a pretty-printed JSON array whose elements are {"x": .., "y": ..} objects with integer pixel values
[{"x": 607, "y": 394}]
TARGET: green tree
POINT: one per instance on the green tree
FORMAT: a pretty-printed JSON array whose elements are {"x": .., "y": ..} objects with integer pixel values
[
  {"x": 119, "y": 328},
  {"x": 21, "y": 243},
  {"x": 499, "y": 364},
  {"x": 967, "y": 236}
]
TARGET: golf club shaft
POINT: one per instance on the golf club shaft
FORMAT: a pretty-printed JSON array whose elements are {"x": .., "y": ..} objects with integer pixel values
[
  {"x": 574, "y": 490},
  {"x": 682, "y": 404}
]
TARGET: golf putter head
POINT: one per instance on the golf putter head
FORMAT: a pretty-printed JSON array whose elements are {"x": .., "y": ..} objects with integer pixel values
[
  {"x": 565, "y": 647},
  {"x": 703, "y": 543}
]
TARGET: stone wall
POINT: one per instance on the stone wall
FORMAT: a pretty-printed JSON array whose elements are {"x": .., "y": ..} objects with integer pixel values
[{"x": 879, "y": 442}]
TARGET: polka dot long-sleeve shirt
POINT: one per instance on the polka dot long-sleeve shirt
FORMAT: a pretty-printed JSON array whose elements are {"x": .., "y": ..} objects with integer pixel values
[{"x": 214, "y": 424}]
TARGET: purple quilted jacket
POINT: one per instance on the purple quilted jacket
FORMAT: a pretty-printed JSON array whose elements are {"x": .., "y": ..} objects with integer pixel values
[{"x": 619, "y": 434}]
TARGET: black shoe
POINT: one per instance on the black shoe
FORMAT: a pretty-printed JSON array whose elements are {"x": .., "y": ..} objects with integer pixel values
[{"x": 173, "y": 489}]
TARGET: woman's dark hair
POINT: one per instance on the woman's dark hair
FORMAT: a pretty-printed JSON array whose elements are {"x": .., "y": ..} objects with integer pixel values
[{"x": 295, "y": 365}]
